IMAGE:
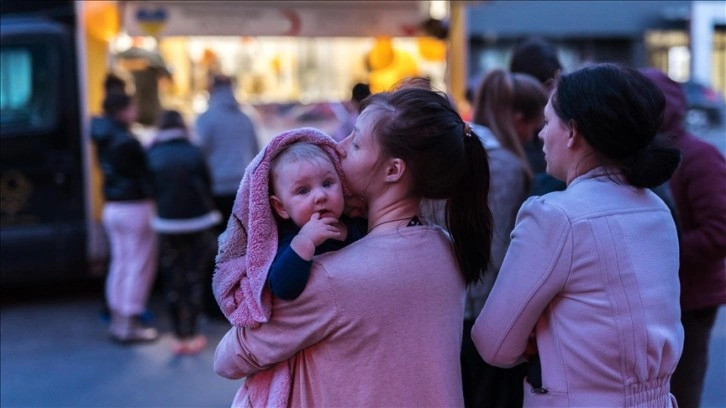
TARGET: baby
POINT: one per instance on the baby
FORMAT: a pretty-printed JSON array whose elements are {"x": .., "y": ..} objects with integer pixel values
[
  {"x": 289, "y": 207},
  {"x": 307, "y": 197}
]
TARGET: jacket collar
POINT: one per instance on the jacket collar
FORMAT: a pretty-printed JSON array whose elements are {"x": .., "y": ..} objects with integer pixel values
[
  {"x": 599, "y": 172},
  {"x": 170, "y": 134}
]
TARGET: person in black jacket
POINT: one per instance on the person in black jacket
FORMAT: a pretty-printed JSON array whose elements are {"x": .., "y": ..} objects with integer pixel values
[
  {"x": 127, "y": 211},
  {"x": 184, "y": 220}
]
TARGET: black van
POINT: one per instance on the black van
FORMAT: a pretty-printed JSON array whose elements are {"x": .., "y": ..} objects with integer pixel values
[{"x": 44, "y": 211}]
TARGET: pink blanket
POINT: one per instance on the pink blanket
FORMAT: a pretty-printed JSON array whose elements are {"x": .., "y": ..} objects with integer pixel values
[{"x": 246, "y": 250}]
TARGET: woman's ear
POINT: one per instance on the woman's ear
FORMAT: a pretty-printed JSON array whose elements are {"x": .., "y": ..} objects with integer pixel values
[
  {"x": 278, "y": 207},
  {"x": 395, "y": 170},
  {"x": 573, "y": 135}
]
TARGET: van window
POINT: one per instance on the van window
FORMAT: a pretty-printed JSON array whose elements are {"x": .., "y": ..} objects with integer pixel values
[{"x": 26, "y": 89}]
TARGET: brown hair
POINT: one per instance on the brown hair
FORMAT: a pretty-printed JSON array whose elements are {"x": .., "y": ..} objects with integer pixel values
[
  {"x": 171, "y": 119},
  {"x": 447, "y": 161},
  {"x": 499, "y": 97}
]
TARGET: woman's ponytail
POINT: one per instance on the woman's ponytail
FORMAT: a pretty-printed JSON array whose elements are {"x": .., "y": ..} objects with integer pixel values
[
  {"x": 468, "y": 216},
  {"x": 447, "y": 161}
]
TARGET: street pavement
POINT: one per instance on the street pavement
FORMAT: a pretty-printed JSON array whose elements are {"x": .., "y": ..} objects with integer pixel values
[{"x": 55, "y": 353}]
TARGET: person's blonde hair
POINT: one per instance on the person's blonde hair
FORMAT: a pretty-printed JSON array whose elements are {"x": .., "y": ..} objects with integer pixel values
[{"x": 499, "y": 96}]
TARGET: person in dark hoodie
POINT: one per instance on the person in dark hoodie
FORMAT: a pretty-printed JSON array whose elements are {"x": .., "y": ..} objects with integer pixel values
[
  {"x": 699, "y": 190},
  {"x": 184, "y": 220},
  {"x": 127, "y": 212}
]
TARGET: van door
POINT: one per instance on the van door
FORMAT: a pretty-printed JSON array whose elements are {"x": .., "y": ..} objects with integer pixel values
[{"x": 42, "y": 234}]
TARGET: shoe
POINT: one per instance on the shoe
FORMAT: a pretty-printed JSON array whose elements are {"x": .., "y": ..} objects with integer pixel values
[
  {"x": 178, "y": 346},
  {"x": 126, "y": 329},
  {"x": 188, "y": 346}
]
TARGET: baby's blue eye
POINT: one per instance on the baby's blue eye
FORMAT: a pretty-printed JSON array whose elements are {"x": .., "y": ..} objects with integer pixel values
[
  {"x": 327, "y": 183},
  {"x": 303, "y": 191}
]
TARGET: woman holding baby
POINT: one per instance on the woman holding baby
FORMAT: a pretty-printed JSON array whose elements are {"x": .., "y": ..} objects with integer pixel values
[{"x": 380, "y": 321}]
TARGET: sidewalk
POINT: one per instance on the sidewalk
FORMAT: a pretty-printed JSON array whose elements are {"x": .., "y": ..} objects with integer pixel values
[{"x": 57, "y": 354}]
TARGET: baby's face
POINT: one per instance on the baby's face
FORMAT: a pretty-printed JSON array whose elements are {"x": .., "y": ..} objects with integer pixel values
[{"x": 306, "y": 187}]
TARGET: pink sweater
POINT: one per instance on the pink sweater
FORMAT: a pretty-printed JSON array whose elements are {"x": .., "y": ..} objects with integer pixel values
[{"x": 379, "y": 324}]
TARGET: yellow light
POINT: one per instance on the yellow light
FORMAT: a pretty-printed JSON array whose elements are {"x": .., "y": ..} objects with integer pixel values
[{"x": 101, "y": 19}]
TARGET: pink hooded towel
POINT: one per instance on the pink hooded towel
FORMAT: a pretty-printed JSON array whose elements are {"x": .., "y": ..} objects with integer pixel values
[{"x": 246, "y": 250}]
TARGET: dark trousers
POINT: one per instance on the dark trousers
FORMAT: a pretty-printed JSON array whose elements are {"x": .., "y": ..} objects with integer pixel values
[
  {"x": 486, "y": 385},
  {"x": 687, "y": 381},
  {"x": 224, "y": 204},
  {"x": 185, "y": 261}
]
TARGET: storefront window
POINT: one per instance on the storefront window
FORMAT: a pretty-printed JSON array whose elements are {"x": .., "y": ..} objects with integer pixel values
[{"x": 290, "y": 75}]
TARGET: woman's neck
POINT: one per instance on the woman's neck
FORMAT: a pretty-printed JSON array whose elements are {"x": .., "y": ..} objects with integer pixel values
[
  {"x": 384, "y": 215},
  {"x": 586, "y": 163}
]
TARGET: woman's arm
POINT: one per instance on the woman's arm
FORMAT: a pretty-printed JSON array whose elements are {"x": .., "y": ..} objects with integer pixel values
[
  {"x": 534, "y": 270},
  {"x": 294, "y": 326}
]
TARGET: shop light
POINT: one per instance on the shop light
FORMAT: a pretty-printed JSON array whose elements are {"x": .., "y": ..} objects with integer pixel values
[
  {"x": 122, "y": 42},
  {"x": 438, "y": 9}
]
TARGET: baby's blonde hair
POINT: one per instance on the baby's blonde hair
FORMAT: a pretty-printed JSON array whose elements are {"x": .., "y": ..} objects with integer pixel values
[{"x": 295, "y": 153}]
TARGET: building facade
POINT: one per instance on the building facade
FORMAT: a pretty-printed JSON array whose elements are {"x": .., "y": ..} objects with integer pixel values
[{"x": 686, "y": 39}]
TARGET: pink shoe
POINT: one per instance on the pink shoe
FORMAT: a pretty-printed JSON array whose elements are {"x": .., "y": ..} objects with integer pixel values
[
  {"x": 190, "y": 346},
  {"x": 177, "y": 346}
]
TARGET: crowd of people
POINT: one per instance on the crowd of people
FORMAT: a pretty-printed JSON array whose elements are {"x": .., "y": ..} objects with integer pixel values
[
  {"x": 565, "y": 247},
  {"x": 165, "y": 206}
]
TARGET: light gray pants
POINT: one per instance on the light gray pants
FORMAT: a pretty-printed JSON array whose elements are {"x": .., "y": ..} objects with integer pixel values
[{"x": 133, "y": 255}]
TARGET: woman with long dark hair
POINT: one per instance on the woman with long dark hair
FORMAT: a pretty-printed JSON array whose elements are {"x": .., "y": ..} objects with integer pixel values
[{"x": 380, "y": 321}]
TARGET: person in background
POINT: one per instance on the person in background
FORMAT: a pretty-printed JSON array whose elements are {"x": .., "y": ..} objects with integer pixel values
[
  {"x": 510, "y": 106},
  {"x": 185, "y": 216},
  {"x": 592, "y": 270},
  {"x": 146, "y": 68},
  {"x": 229, "y": 142},
  {"x": 114, "y": 84},
  {"x": 380, "y": 321},
  {"x": 508, "y": 109},
  {"x": 538, "y": 58},
  {"x": 359, "y": 92},
  {"x": 699, "y": 190},
  {"x": 127, "y": 212}
]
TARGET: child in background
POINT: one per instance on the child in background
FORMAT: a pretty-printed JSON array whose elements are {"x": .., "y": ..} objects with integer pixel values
[
  {"x": 288, "y": 208},
  {"x": 185, "y": 216}
]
